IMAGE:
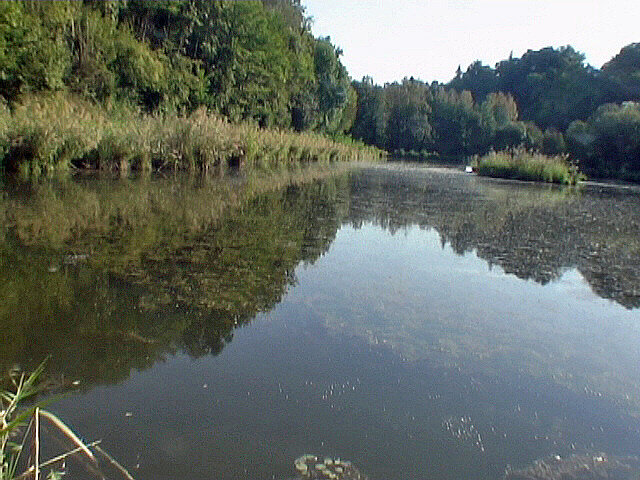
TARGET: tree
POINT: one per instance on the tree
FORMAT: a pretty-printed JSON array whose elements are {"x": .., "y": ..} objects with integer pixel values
[
  {"x": 479, "y": 79},
  {"x": 608, "y": 143},
  {"x": 333, "y": 85},
  {"x": 33, "y": 49},
  {"x": 457, "y": 123},
  {"x": 369, "y": 125},
  {"x": 623, "y": 74},
  {"x": 552, "y": 87},
  {"x": 407, "y": 116},
  {"x": 553, "y": 142}
]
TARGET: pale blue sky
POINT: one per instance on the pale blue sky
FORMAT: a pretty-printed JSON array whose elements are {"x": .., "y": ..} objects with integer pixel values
[{"x": 391, "y": 39}]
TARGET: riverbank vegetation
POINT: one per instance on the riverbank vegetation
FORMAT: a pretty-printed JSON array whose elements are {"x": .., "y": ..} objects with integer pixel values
[
  {"x": 224, "y": 82},
  {"x": 57, "y": 133},
  {"x": 21, "y": 435},
  {"x": 181, "y": 84},
  {"x": 548, "y": 101},
  {"x": 522, "y": 164}
]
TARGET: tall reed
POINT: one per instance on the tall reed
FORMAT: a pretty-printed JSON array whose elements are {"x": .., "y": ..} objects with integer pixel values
[
  {"x": 57, "y": 132},
  {"x": 522, "y": 164}
]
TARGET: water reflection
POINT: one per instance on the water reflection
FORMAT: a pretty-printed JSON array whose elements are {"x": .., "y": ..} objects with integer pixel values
[
  {"x": 532, "y": 231},
  {"x": 422, "y": 323},
  {"x": 143, "y": 268},
  {"x": 106, "y": 277},
  {"x": 481, "y": 317}
]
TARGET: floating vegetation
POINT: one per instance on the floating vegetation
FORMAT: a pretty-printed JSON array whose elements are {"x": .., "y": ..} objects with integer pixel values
[
  {"x": 463, "y": 429},
  {"x": 313, "y": 467},
  {"x": 584, "y": 467}
]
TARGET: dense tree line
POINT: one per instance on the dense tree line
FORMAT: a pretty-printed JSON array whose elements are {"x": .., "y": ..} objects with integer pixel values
[
  {"x": 258, "y": 61},
  {"x": 432, "y": 119},
  {"x": 548, "y": 100},
  {"x": 246, "y": 60}
]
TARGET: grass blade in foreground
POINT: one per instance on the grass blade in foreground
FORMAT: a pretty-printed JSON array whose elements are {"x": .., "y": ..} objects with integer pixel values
[{"x": 14, "y": 431}]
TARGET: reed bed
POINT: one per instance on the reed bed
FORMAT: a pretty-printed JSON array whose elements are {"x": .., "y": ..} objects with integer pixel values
[
  {"x": 522, "y": 164},
  {"x": 45, "y": 134}
]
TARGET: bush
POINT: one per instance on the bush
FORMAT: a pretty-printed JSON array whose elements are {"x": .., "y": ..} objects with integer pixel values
[{"x": 522, "y": 164}]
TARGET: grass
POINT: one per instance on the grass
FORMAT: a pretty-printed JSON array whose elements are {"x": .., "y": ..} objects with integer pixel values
[
  {"x": 58, "y": 132},
  {"x": 522, "y": 164},
  {"x": 20, "y": 433}
]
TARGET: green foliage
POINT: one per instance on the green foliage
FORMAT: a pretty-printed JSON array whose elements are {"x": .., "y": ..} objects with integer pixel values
[
  {"x": 551, "y": 86},
  {"x": 522, "y": 164},
  {"x": 333, "y": 86},
  {"x": 55, "y": 133},
  {"x": 547, "y": 101},
  {"x": 414, "y": 116},
  {"x": 499, "y": 109},
  {"x": 509, "y": 135},
  {"x": 553, "y": 142},
  {"x": 253, "y": 62},
  {"x": 608, "y": 143},
  {"x": 369, "y": 125},
  {"x": 244, "y": 53},
  {"x": 457, "y": 123},
  {"x": 20, "y": 422},
  {"x": 622, "y": 74},
  {"x": 577, "y": 106},
  {"x": 479, "y": 79},
  {"x": 12, "y": 419},
  {"x": 45, "y": 133},
  {"x": 406, "y": 116},
  {"x": 258, "y": 62},
  {"x": 249, "y": 61},
  {"x": 33, "y": 52}
]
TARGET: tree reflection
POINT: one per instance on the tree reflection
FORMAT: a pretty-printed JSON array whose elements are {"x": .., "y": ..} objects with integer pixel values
[
  {"x": 534, "y": 232},
  {"x": 149, "y": 285},
  {"x": 109, "y": 276}
]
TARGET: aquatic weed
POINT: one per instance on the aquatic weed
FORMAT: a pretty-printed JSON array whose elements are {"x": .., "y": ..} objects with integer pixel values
[{"x": 523, "y": 164}]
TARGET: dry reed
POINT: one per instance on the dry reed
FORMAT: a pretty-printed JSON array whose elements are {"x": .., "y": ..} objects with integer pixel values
[{"x": 44, "y": 134}]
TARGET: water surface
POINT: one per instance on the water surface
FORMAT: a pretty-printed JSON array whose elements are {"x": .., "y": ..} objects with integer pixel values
[{"x": 421, "y": 323}]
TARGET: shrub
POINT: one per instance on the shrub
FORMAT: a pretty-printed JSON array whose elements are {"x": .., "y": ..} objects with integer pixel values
[{"x": 522, "y": 164}]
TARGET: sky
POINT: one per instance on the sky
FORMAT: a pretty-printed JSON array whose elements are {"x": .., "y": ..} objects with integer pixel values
[{"x": 427, "y": 39}]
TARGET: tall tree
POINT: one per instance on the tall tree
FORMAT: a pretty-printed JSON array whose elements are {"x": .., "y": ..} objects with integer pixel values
[
  {"x": 623, "y": 74},
  {"x": 479, "y": 79}
]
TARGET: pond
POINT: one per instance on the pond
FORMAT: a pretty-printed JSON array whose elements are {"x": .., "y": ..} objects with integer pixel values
[{"x": 422, "y": 323}]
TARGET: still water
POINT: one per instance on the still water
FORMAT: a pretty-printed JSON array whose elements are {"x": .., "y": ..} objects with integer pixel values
[{"x": 422, "y": 323}]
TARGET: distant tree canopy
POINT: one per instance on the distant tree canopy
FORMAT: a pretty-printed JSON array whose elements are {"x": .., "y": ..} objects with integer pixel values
[
  {"x": 246, "y": 60},
  {"x": 548, "y": 100},
  {"x": 551, "y": 86},
  {"x": 415, "y": 116},
  {"x": 608, "y": 143}
]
